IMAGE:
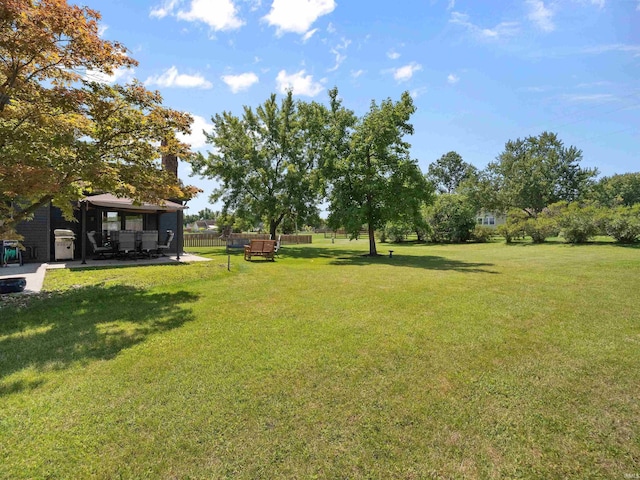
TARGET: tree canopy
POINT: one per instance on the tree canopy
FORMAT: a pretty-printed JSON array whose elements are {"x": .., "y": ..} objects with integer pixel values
[
  {"x": 266, "y": 161},
  {"x": 535, "y": 172},
  {"x": 449, "y": 171},
  {"x": 62, "y": 135},
  {"x": 621, "y": 189},
  {"x": 374, "y": 180}
]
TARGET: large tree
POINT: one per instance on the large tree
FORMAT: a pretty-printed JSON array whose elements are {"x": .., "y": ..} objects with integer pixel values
[
  {"x": 620, "y": 189},
  {"x": 62, "y": 135},
  {"x": 266, "y": 160},
  {"x": 449, "y": 171},
  {"x": 374, "y": 180},
  {"x": 535, "y": 172}
]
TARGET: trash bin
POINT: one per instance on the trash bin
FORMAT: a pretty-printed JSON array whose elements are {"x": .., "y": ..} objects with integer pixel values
[{"x": 64, "y": 244}]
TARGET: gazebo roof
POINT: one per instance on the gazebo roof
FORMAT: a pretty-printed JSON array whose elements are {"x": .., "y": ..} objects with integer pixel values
[{"x": 107, "y": 200}]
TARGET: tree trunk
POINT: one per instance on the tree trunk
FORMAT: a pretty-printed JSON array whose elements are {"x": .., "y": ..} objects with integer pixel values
[
  {"x": 372, "y": 241},
  {"x": 273, "y": 225}
]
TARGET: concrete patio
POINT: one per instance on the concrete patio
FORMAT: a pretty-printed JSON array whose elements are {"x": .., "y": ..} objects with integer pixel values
[{"x": 35, "y": 272}]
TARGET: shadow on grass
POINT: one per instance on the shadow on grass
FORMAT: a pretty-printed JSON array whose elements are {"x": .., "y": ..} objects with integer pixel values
[
  {"x": 82, "y": 325},
  {"x": 344, "y": 256}
]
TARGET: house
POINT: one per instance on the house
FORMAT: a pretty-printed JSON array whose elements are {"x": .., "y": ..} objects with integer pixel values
[
  {"x": 103, "y": 214},
  {"x": 490, "y": 219}
]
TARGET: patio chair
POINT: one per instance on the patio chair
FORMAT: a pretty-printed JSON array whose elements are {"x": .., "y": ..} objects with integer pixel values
[
  {"x": 149, "y": 242},
  {"x": 100, "y": 252},
  {"x": 165, "y": 246},
  {"x": 127, "y": 242}
]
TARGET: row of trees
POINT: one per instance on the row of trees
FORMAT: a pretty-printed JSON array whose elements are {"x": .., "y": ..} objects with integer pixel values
[
  {"x": 279, "y": 161},
  {"x": 63, "y": 135}
]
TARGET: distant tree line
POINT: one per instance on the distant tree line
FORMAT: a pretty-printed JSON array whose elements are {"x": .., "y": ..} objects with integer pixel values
[{"x": 277, "y": 163}]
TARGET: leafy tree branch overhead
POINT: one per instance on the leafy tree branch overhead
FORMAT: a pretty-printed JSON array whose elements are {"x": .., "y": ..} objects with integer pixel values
[{"x": 62, "y": 135}]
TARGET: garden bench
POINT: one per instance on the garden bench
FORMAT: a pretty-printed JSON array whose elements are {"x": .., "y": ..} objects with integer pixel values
[{"x": 260, "y": 248}]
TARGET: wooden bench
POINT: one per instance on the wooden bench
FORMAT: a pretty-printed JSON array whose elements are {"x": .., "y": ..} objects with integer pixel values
[{"x": 260, "y": 248}]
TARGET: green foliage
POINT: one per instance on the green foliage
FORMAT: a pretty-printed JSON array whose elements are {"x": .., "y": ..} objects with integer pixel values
[
  {"x": 61, "y": 135},
  {"x": 266, "y": 161},
  {"x": 482, "y": 234},
  {"x": 374, "y": 180},
  {"x": 618, "y": 190},
  {"x": 539, "y": 228},
  {"x": 623, "y": 223},
  {"x": 449, "y": 171},
  {"x": 536, "y": 172},
  {"x": 396, "y": 232},
  {"x": 510, "y": 230},
  {"x": 451, "y": 218},
  {"x": 578, "y": 222}
]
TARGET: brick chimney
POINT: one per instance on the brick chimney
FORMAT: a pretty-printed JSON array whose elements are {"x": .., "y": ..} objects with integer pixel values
[{"x": 170, "y": 162}]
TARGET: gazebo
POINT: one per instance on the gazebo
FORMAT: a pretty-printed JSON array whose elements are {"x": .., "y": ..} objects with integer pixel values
[{"x": 107, "y": 204}]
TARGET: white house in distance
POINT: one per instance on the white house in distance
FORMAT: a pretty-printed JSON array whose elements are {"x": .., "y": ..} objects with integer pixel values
[{"x": 490, "y": 219}]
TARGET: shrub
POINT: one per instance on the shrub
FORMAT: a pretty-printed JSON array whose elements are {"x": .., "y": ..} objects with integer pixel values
[
  {"x": 623, "y": 223},
  {"x": 510, "y": 231},
  {"x": 452, "y": 218},
  {"x": 541, "y": 227},
  {"x": 397, "y": 232},
  {"x": 482, "y": 234},
  {"x": 578, "y": 222}
]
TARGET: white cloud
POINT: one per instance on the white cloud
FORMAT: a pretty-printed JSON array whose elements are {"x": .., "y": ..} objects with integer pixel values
[
  {"x": 171, "y": 78},
  {"x": 197, "y": 138},
  {"x": 119, "y": 74},
  {"x": 308, "y": 35},
  {"x": 338, "y": 52},
  {"x": 298, "y": 83},
  {"x": 616, "y": 47},
  {"x": 102, "y": 29},
  {"x": 297, "y": 16},
  {"x": 405, "y": 73},
  {"x": 417, "y": 92},
  {"x": 240, "y": 82},
  {"x": 357, "y": 73},
  {"x": 166, "y": 8},
  {"x": 451, "y": 5},
  {"x": 393, "y": 55},
  {"x": 541, "y": 16},
  {"x": 503, "y": 29},
  {"x": 332, "y": 29},
  {"x": 218, "y": 14},
  {"x": 594, "y": 98},
  {"x": 453, "y": 78}
]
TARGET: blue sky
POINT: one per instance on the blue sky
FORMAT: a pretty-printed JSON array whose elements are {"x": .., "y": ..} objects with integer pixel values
[{"x": 480, "y": 72}]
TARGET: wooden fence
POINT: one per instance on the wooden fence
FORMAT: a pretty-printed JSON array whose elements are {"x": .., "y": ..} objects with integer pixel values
[{"x": 215, "y": 240}]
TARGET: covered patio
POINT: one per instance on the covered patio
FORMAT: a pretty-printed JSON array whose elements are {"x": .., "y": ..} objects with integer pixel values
[{"x": 108, "y": 216}]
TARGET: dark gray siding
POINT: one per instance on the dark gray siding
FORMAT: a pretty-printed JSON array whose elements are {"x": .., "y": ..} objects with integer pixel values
[{"x": 36, "y": 236}]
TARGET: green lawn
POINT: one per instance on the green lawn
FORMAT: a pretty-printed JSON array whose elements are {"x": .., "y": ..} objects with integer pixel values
[{"x": 460, "y": 361}]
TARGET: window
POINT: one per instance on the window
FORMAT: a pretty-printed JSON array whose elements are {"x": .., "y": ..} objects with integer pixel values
[
  {"x": 134, "y": 222},
  {"x": 110, "y": 221}
]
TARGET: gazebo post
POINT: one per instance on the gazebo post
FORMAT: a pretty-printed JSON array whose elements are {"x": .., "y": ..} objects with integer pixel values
[
  {"x": 83, "y": 229},
  {"x": 178, "y": 233}
]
